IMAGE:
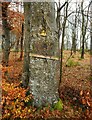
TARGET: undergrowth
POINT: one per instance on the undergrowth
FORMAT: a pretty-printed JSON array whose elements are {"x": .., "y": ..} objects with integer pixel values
[{"x": 71, "y": 63}]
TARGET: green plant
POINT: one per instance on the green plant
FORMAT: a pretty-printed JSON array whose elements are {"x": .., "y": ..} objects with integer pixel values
[
  {"x": 72, "y": 63},
  {"x": 59, "y": 105}
]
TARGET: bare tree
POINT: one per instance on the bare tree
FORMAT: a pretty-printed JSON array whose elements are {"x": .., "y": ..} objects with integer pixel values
[
  {"x": 84, "y": 27},
  {"x": 74, "y": 32},
  {"x": 63, "y": 35}
]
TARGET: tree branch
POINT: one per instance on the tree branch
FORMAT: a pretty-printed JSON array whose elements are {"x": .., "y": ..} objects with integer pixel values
[{"x": 59, "y": 9}]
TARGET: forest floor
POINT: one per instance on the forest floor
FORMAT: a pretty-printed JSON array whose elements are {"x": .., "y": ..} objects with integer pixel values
[{"x": 75, "y": 86}]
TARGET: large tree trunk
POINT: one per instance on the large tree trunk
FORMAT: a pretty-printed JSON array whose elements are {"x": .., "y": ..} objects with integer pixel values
[
  {"x": 44, "y": 62},
  {"x": 6, "y": 34}
]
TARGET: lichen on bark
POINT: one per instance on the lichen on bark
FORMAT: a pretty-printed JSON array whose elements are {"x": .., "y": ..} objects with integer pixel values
[{"x": 44, "y": 72}]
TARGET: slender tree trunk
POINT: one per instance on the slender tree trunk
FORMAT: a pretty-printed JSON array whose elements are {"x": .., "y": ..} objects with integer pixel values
[
  {"x": 83, "y": 35},
  {"x": 83, "y": 20},
  {"x": 74, "y": 33},
  {"x": 62, "y": 44},
  {"x": 6, "y": 46},
  {"x": 82, "y": 52},
  {"x": 73, "y": 41},
  {"x": 59, "y": 29},
  {"x": 21, "y": 43},
  {"x": 25, "y": 76},
  {"x": 84, "y": 29}
]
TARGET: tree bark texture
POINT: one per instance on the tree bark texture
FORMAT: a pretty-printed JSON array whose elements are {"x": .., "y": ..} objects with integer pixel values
[
  {"x": 6, "y": 34},
  {"x": 44, "y": 62},
  {"x": 25, "y": 75}
]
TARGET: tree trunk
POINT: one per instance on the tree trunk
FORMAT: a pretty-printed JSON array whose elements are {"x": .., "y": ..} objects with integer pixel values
[
  {"x": 74, "y": 35},
  {"x": 83, "y": 34},
  {"x": 84, "y": 29},
  {"x": 44, "y": 59},
  {"x": 62, "y": 44},
  {"x": 6, "y": 33},
  {"x": 21, "y": 43},
  {"x": 25, "y": 76},
  {"x": 73, "y": 41}
]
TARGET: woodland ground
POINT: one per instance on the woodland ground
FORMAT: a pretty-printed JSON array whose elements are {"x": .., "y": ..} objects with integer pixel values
[{"x": 75, "y": 86}]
